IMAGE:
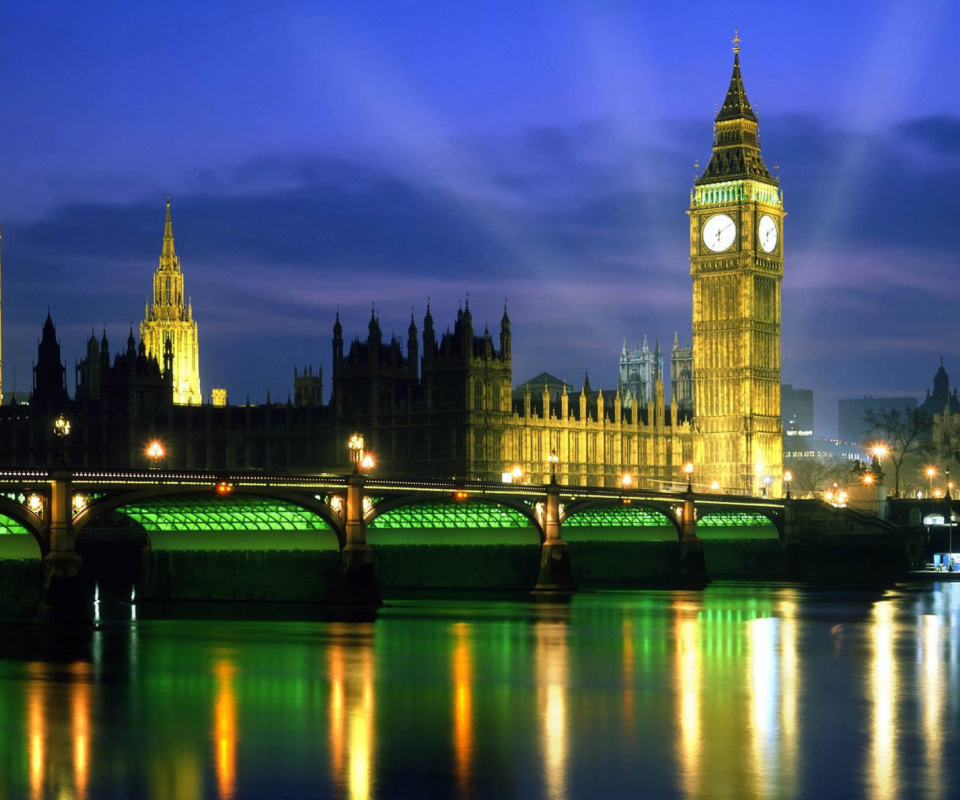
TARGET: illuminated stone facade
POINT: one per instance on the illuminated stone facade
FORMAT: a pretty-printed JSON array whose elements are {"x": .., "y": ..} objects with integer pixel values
[
  {"x": 736, "y": 263},
  {"x": 170, "y": 319},
  {"x": 456, "y": 416}
]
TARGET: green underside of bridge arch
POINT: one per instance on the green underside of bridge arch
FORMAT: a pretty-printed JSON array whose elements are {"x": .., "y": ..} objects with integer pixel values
[
  {"x": 735, "y": 525},
  {"x": 16, "y": 542},
  {"x": 237, "y": 523},
  {"x": 618, "y": 523},
  {"x": 10, "y": 526},
  {"x": 469, "y": 522}
]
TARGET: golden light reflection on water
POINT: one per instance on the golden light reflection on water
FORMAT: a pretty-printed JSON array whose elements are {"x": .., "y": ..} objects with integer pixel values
[
  {"x": 225, "y": 727},
  {"x": 551, "y": 657},
  {"x": 80, "y": 726},
  {"x": 789, "y": 693},
  {"x": 932, "y": 690},
  {"x": 732, "y": 741},
  {"x": 688, "y": 672},
  {"x": 351, "y": 710},
  {"x": 36, "y": 727},
  {"x": 883, "y": 695},
  {"x": 462, "y": 707}
]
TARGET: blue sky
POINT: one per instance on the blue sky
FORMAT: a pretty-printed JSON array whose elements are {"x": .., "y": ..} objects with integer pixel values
[{"x": 343, "y": 154}]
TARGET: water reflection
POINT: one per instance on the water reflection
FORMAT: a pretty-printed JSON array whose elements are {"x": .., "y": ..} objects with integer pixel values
[
  {"x": 80, "y": 726},
  {"x": 351, "y": 709},
  {"x": 551, "y": 670},
  {"x": 932, "y": 691},
  {"x": 36, "y": 727},
  {"x": 462, "y": 707},
  {"x": 883, "y": 694},
  {"x": 688, "y": 672},
  {"x": 514, "y": 700},
  {"x": 737, "y": 661},
  {"x": 225, "y": 727}
]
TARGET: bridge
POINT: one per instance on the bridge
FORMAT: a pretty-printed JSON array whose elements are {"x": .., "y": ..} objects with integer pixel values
[{"x": 330, "y": 526}]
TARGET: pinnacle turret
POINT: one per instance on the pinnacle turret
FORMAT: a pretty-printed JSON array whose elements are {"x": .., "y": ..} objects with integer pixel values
[{"x": 168, "y": 256}]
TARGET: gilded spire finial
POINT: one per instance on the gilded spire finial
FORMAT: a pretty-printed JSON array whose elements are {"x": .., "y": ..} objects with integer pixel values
[{"x": 736, "y": 41}]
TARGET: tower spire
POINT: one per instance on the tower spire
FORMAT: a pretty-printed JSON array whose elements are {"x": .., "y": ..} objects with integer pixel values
[{"x": 168, "y": 253}]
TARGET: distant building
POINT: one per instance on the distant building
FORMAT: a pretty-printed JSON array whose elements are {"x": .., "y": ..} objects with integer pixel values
[
  {"x": 851, "y": 426},
  {"x": 800, "y": 447},
  {"x": 796, "y": 410},
  {"x": 639, "y": 370},
  {"x": 936, "y": 401},
  {"x": 641, "y": 367}
]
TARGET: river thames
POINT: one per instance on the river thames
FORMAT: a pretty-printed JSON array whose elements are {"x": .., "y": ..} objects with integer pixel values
[{"x": 739, "y": 691}]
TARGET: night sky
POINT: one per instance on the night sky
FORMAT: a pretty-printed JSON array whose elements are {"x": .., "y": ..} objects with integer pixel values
[{"x": 346, "y": 154}]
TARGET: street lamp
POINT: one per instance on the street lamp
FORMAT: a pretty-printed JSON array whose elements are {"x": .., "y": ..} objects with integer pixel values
[
  {"x": 869, "y": 478},
  {"x": 155, "y": 453},
  {"x": 367, "y": 463},
  {"x": 355, "y": 446},
  {"x": 516, "y": 473},
  {"x": 554, "y": 459},
  {"x": 626, "y": 481},
  {"x": 946, "y": 474},
  {"x": 61, "y": 428},
  {"x": 930, "y": 472},
  {"x": 788, "y": 479},
  {"x": 715, "y": 486},
  {"x": 688, "y": 468}
]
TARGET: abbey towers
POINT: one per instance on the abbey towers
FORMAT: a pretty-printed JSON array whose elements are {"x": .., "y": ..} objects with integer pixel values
[
  {"x": 170, "y": 319},
  {"x": 736, "y": 263}
]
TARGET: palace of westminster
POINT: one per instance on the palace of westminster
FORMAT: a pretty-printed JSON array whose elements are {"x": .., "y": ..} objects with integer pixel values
[{"x": 445, "y": 406}]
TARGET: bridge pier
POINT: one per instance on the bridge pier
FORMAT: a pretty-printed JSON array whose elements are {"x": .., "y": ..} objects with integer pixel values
[
  {"x": 693, "y": 568},
  {"x": 555, "y": 577},
  {"x": 358, "y": 585},
  {"x": 62, "y": 592}
]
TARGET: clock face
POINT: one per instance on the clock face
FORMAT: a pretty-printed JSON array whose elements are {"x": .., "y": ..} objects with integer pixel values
[
  {"x": 767, "y": 233},
  {"x": 719, "y": 232}
]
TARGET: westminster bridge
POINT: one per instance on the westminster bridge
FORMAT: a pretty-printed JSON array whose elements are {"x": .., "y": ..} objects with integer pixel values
[{"x": 253, "y": 536}]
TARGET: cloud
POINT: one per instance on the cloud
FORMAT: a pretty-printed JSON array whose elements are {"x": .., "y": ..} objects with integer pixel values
[{"x": 582, "y": 227}]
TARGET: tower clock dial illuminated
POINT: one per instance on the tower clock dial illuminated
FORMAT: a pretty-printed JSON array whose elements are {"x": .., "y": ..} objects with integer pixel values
[
  {"x": 767, "y": 233},
  {"x": 719, "y": 232}
]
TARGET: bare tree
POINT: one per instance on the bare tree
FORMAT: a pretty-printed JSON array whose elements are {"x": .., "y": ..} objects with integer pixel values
[
  {"x": 814, "y": 475},
  {"x": 905, "y": 431}
]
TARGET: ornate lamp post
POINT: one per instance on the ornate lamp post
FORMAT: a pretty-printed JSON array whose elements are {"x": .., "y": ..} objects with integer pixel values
[
  {"x": 367, "y": 463},
  {"x": 930, "y": 472},
  {"x": 61, "y": 428},
  {"x": 554, "y": 459},
  {"x": 355, "y": 446},
  {"x": 155, "y": 453},
  {"x": 788, "y": 479},
  {"x": 626, "y": 481},
  {"x": 688, "y": 468},
  {"x": 946, "y": 474}
]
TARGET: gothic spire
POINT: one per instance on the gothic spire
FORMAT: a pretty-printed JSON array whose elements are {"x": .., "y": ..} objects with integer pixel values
[
  {"x": 736, "y": 147},
  {"x": 168, "y": 253},
  {"x": 735, "y": 104}
]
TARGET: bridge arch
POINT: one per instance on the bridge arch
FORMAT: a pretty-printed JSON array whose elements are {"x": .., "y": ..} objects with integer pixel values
[
  {"x": 205, "y": 503},
  {"x": 432, "y": 520},
  {"x": 19, "y": 540},
  {"x": 613, "y": 520},
  {"x": 726, "y": 522},
  {"x": 21, "y": 520}
]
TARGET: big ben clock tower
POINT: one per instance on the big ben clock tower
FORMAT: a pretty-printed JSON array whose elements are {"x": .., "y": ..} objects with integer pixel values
[{"x": 736, "y": 262}]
